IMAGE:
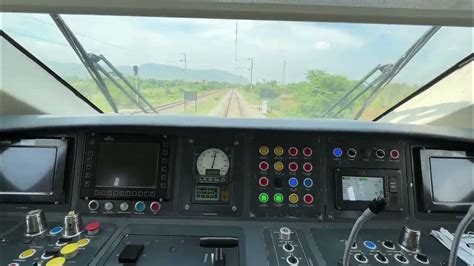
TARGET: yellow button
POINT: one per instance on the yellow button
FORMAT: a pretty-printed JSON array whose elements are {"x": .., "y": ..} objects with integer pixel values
[
  {"x": 263, "y": 150},
  {"x": 293, "y": 198},
  {"x": 27, "y": 253},
  {"x": 83, "y": 242},
  {"x": 278, "y": 150},
  {"x": 58, "y": 261},
  {"x": 69, "y": 250},
  {"x": 278, "y": 166}
]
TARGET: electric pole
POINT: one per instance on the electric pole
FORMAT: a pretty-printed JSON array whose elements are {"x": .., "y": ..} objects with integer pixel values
[
  {"x": 135, "y": 72},
  {"x": 185, "y": 65},
  {"x": 251, "y": 73},
  {"x": 283, "y": 75},
  {"x": 235, "y": 48}
]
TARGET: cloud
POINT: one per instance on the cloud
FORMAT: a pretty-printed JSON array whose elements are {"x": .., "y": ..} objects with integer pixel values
[{"x": 322, "y": 45}]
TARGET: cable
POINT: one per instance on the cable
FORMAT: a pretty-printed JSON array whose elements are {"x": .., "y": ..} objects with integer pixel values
[
  {"x": 375, "y": 207},
  {"x": 453, "y": 254}
]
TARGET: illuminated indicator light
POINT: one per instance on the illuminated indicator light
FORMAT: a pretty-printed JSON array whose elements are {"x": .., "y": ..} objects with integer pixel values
[
  {"x": 278, "y": 198},
  {"x": 293, "y": 166},
  {"x": 394, "y": 154},
  {"x": 293, "y": 151},
  {"x": 263, "y": 181},
  {"x": 308, "y": 182},
  {"x": 278, "y": 166},
  {"x": 308, "y": 198},
  {"x": 293, "y": 198},
  {"x": 55, "y": 230},
  {"x": 307, "y": 151},
  {"x": 264, "y": 150},
  {"x": 337, "y": 152},
  {"x": 278, "y": 151},
  {"x": 308, "y": 167},
  {"x": 293, "y": 182},
  {"x": 263, "y": 166},
  {"x": 263, "y": 197}
]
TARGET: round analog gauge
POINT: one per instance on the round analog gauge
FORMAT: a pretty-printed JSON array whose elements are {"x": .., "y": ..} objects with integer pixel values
[{"x": 213, "y": 161}]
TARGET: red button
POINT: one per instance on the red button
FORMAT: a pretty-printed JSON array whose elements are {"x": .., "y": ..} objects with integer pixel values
[
  {"x": 308, "y": 167},
  {"x": 394, "y": 154},
  {"x": 308, "y": 198},
  {"x": 293, "y": 166},
  {"x": 155, "y": 206},
  {"x": 263, "y": 166},
  {"x": 307, "y": 151},
  {"x": 92, "y": 228},
  {"x": 293, "y": 151},
  {"x": 263, "y": 181}
]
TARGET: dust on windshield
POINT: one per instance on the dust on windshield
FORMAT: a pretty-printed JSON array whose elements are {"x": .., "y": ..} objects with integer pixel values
[{"x": 239, "y": 68}]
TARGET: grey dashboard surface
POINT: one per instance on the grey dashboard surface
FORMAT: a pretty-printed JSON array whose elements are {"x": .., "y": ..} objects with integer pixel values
[{"x": 12, "y": 123}]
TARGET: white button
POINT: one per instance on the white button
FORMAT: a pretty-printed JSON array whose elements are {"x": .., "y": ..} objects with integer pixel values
[
  {"x": 108, "y": 206},
  {"x": 123, "y": 206}
]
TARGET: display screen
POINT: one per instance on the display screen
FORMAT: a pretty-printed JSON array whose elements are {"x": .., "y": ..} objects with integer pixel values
[
  {"x": 127, "y": 165},
  {"x": 27, "y": 170},
  {"x": 207, "y": 193},
  {"x": 362, "y": 188},
  {"x": 452, "y": 180}
]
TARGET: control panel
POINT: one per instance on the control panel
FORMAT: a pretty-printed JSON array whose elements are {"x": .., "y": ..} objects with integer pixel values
[{"x": 286, "y": 180}]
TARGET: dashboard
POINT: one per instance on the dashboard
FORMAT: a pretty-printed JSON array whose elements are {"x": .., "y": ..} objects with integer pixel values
[{"x": 172, "y": 190}]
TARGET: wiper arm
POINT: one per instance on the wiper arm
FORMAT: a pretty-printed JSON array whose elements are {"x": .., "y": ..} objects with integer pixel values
[
  {"x": 91, "y": 63},
  {"x": 388, "y": 72}
]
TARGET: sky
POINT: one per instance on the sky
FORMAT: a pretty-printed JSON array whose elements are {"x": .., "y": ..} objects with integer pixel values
[{"x": 338, "y": 48}]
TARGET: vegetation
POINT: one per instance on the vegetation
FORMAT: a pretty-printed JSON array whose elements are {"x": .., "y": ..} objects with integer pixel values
[{"x": 307, "y": 99}]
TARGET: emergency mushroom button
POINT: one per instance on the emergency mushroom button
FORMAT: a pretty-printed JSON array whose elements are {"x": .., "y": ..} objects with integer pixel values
[
  {"x": 69, "y": 250},
  {"x": 58, "y": 261},
  {"x": 92, "y": 228}
]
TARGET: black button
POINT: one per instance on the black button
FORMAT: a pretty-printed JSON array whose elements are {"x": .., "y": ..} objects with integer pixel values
[
  {"x": 361, "y": 258},
  {"x": 422, "y": 258},
  {"x": 401, "y": 258},
  {"x": 130, "y": 253},
  {"x": 388, "y": 244},
  {"x": 64, "y": 240},
  {"x": 87, "y": 183},
  {"x": 381, "y": 257},
  {"x": 50, "y": 253},
  {"x": 277, "y": 182}
]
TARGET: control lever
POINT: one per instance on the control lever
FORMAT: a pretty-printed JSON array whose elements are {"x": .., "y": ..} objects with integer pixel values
[
  {"x": 453, "y": 254},
  {"x": 218, "y": 243},
  {"x": 375, "y": 207},
  {"x": 35, "y": 223}
]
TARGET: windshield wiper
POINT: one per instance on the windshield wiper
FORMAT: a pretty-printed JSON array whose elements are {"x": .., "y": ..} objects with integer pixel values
[
  {"x": 387, "y": 73},
  {"x": 91, "y": 63}
]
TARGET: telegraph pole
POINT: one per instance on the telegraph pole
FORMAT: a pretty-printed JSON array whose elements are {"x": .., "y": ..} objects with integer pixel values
[
  {"x": 185, "y": 66},
  {"x": 283, "y": 75},
  {"x": 235, "y": 48},
  {"x": 251, "y": 73},
  {"x": 135, "y": 72}
]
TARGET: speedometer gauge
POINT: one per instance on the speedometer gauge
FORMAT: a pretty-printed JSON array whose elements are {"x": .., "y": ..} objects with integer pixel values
[{"x": 213, "y": 161}]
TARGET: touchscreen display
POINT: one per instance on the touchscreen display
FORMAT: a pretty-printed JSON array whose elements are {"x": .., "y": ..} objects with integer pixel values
[
  {"x": 127, "y": 165},
  {"x": 27, "y": 170},
  {"x": 452, "y": 180},
  {"x": 362, "y": 188}
]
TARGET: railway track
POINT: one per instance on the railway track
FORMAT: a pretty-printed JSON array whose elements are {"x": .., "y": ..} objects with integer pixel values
[
  {"x": 180, "y": 102},
  {"x": 234, "y": 106}
]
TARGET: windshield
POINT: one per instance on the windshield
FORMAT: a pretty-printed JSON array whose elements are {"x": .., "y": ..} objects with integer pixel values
[{"x": 240, "y": 68}]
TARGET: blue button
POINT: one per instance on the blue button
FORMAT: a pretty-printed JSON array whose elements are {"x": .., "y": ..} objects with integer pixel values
[
  {"x": 55, "y": 230},
  {"x": 370, "y": 245},
  {"x": 293, "y": 182},
  {"x": 337, "y": 152},
  {"x": 140, "y": 206},
  {"x": 308, "y": 182}
]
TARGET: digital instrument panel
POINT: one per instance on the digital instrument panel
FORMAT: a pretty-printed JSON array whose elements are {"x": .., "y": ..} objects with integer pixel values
[
  {"x": 32, "y": 170},
  {"x": 130, "y": 172}
]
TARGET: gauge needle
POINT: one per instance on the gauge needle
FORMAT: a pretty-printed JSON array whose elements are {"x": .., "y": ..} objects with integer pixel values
[{"x": 214, "y": 160}]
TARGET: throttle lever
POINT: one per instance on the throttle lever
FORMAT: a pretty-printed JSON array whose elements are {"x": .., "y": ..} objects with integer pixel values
[{"x": 218, "y": 243}]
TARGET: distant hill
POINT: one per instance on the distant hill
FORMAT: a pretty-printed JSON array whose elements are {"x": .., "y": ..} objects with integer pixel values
[{"x": 155, "y": 71}]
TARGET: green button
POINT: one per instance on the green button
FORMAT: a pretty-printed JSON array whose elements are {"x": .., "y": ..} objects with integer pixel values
[
  {"x": 263, "y": 197},
  {"x": 278, "y": 198}
]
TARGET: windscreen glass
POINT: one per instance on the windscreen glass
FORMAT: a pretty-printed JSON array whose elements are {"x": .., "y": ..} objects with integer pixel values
[{"x": 242, "y": 68}]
